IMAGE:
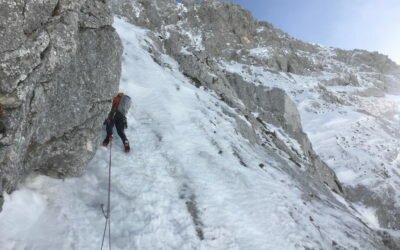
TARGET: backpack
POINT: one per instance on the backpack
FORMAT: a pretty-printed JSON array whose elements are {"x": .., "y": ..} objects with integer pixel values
[{"x": 124, "y": 104}]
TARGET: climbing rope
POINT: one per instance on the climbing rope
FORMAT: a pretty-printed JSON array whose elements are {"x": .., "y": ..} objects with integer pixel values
[{"x": 108, "y": 212}]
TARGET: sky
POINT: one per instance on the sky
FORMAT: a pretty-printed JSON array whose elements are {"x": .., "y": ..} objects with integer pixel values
[{"x": 349, "y": 24}]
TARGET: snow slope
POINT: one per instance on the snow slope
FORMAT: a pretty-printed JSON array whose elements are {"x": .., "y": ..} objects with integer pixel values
[
  {"x": 190, "y": 182},
  {"x": 356, "y": 135}
]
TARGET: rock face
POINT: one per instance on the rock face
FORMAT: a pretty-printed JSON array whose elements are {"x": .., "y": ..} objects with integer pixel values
[{"x": 60, "y": 64}]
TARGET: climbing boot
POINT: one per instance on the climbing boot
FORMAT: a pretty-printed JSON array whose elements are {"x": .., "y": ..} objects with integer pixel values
[
  {"x": 107, "y": 140},
  {"x": 126, "y": 146}
]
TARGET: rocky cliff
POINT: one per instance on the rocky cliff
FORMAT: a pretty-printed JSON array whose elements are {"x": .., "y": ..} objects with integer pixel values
[
  {"x": 60, "y": 64},
  {"x": 273, "y": 79}
]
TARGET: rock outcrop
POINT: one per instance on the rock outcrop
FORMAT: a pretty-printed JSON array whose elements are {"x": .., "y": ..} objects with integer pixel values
[{"x": 60, "y": 64}]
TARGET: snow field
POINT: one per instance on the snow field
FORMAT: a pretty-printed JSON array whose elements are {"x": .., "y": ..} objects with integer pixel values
[
  {"x": 356, "y": 136},
  {"x": 181, "y": 187}
]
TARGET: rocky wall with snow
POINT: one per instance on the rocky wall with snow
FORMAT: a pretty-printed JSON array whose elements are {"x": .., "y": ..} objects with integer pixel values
[
  {"x": 60, "y": 64},
  {"x": 272, "y": 79},
  {"x": 227, "y": 27},
  {"x": 192, "y": 181}
]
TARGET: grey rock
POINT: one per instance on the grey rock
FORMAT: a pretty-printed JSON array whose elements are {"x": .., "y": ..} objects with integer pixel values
[
  {"x": 386, "y": 209},
  {"x": 60, "y": 65},
  {"x": 95, "y": 14},
  {"x": 275, "y": 106},
  {"x": 37, "y": 13},
  {"x": 11, "y": 21},
  {"x": 147, "y": 13}
]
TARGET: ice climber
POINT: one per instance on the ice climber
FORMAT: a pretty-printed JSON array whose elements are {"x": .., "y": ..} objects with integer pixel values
[{"x": 117, "y": 116}]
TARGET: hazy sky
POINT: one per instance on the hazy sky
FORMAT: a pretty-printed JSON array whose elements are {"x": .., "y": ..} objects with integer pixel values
[{"x": 365, "y": 24}]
